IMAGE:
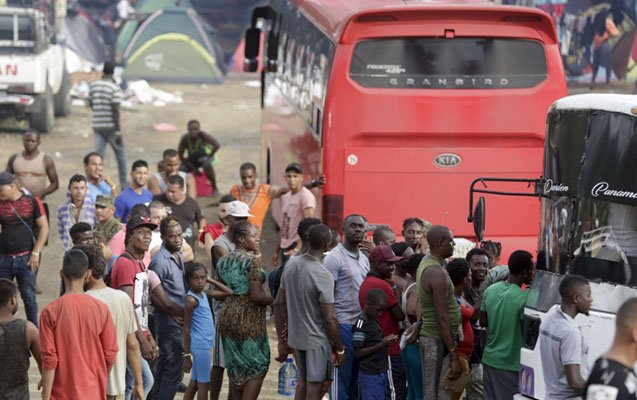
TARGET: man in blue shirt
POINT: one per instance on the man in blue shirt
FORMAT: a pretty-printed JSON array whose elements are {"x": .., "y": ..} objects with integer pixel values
[
  {"x": 98, "y": 181},
  {"x": 169, "y": 266},
  {"x": 135, "y": 193},
  {"x": 348, "y": 266}
]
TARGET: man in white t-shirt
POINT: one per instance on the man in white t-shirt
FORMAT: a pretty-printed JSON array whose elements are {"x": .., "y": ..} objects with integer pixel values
[
  {"x": 563, "y": 349},
  {"x": 123, "y": 315},
  {"x": 296, "y": 204}
]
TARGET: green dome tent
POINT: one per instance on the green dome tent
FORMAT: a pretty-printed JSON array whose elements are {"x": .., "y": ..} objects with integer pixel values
[
  {"x": 174, "y": 44},
  {"x": 145, "y": 8}
]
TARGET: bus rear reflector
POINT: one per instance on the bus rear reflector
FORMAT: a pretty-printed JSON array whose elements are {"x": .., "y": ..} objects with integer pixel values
[
  {"x": 521, "y": 18},
  {"x": 377, "y": 18},
  {"x": 333, "y": 211}
]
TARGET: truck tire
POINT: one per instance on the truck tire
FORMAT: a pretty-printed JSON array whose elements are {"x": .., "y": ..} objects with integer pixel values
[
  {"x": 44, "y": 119},
  {"x": 63, "y": 97}
]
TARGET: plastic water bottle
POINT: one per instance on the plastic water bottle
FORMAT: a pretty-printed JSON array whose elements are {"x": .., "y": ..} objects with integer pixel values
[{"x": 287, "y": 378}]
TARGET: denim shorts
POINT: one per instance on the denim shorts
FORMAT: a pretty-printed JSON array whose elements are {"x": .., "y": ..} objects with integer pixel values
[{"x": 200, "y": 365}]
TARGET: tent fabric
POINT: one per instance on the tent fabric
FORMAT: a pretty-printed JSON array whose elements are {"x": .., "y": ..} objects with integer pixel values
[
  {"x": 84, "y": 38},
  {"x": 167, "y": 21},
  {"x": 124, "y": 37},
  {"x": 230, "y": 18},
  {"x": 144, "y": 7},
  {"x": 174, "y": 44},
  {"x": 150, "y": 6},
  {"x": 161, "y": 58}
]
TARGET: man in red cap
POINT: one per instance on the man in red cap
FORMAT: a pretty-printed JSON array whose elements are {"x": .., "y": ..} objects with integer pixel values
[{"x": 381, "y": 263}]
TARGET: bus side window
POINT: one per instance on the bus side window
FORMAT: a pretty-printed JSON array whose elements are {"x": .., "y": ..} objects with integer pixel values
[{"x": 531, "y": 330}]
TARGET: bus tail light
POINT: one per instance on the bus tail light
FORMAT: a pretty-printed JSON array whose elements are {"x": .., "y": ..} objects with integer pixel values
[
  {"x": 377, "y": 18},
  {"x": 521, "y": 18},
  {"x": 526, "y": 381},
  {"x": 251, "y": 50},
  {"x": 333, "y": 211}
]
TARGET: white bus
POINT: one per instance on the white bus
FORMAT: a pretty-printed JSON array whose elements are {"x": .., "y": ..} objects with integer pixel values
[{"x": 588, "y": 225}]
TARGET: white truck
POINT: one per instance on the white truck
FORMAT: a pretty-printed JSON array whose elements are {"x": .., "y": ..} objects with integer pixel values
[{"x": 34, "y": 83}]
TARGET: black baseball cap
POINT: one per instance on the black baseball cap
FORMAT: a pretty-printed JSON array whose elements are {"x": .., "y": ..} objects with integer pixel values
[
  {"x": 294, "y": 167},
  {"x": 6, "y": 178},
  {"x": 137, "y": 221}
]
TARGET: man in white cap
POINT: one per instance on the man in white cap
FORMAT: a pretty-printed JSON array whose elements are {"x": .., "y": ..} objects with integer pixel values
[{"x": 237, "y": 211}]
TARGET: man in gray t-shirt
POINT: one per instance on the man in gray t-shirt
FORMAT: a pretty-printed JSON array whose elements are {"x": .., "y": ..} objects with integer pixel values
[
  {"x": 305, "y": 308},
  {"x": 563, "y": 350},
  {"x": 307, "y": 285}
]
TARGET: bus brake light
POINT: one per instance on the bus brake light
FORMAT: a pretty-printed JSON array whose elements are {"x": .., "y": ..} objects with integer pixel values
[{"x": 333, "y": 211}]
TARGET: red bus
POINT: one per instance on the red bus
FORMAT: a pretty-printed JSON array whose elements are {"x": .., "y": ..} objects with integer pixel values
[{"x": 401, "y": 104}]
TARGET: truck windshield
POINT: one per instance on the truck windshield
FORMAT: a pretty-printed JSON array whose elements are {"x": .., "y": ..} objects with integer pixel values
[{"x": 16, "y": 32}]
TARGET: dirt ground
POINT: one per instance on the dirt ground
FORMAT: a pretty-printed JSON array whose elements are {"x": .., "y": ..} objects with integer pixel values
[{"x": 229, "y": 111}]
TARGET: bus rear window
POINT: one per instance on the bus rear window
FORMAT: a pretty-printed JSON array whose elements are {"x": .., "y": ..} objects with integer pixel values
[{"x": 438, "y": 63}]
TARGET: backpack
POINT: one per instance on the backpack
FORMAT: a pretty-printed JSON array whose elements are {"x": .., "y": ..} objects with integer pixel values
[{"x": 126, "y": 255}]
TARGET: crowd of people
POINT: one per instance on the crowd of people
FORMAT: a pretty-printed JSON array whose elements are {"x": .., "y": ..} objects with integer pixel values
[{"x": 369, "y": 319}]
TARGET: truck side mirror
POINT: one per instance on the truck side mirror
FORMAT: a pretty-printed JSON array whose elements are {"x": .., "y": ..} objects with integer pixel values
[
  {"x": 251, "y": 51},
  {"x": 479, "y": 217}
]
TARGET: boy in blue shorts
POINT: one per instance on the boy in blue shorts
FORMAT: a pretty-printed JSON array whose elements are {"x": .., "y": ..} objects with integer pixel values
[
  {"x": 199, "y": 329},
  {"x": 370, "y": 347}
]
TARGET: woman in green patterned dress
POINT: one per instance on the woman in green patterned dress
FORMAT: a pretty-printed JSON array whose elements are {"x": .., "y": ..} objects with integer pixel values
[{"x": 242, "y": 327}]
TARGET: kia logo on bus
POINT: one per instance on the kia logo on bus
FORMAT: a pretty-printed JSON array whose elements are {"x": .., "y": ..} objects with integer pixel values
[{"x": 447, "y": 160}]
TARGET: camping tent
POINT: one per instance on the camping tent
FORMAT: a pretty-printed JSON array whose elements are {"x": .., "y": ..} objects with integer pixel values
[
  {"x": 174, "y": 44},
  {"x": 84, "y": 38},
  {"x": 229, "y": 17},
  {"x": 144, "y": 8}
]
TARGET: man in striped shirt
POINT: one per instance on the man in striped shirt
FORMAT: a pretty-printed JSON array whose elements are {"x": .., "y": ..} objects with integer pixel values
[{"x": 105, "y": 97}]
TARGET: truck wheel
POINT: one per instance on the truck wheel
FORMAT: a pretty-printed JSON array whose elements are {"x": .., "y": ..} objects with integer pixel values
[
  {"x": 63, "y": 97},
  {"x": 43, "y": 120}
]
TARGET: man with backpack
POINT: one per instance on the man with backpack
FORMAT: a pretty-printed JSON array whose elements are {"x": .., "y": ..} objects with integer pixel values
[
  {"x": 23, "y": 232},
  {"x": 130, "y": 275}
]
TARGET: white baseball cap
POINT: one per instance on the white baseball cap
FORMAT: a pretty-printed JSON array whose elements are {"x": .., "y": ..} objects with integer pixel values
[{"x": 239, "y": 209}]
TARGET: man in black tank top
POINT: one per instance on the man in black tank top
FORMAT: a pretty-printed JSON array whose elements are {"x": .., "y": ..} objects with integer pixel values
[{"x": 18, "y": 339}]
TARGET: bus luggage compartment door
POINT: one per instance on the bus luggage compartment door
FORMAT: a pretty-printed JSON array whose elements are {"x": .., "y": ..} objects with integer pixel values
[{"x": 389, "y": 184}]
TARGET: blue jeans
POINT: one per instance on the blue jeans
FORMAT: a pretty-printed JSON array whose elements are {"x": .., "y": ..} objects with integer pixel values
[
  {"x": 168, "y": 368},
  {"x": 346, "y": 378},
  {"x": 147, "y": 379},
  {"x": 372, "y": 387},
  {"x": 102, "y": 137},
  {"x": 18, "y": 267}
]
